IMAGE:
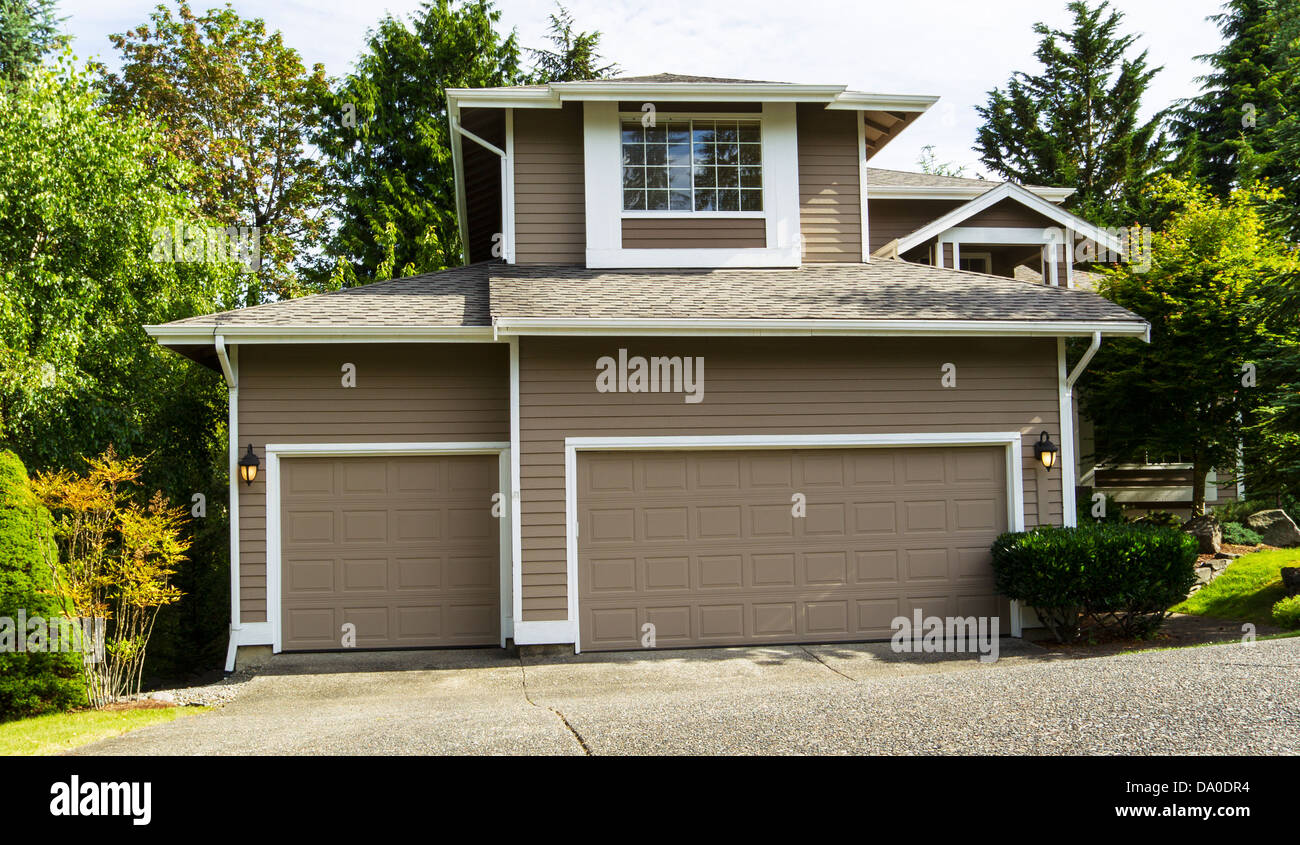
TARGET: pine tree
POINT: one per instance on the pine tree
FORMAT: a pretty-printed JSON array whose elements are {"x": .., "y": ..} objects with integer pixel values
[
  {"x": 28, "y": 30},
  {"x": 1075, "y": 123},
  {"x": 576, "y": 55},
  {"x": 1228, "y": 134}
]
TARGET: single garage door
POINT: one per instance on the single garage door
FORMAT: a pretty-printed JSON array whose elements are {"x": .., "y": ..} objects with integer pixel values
[
  {"x": 707, "y": 546},
  {"x": 404, "y": 548}
]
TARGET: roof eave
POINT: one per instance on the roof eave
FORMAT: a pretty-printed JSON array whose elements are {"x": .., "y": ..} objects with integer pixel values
[
  {"x": 821, "y": 327},
  {"x": 557, "y": 93}
]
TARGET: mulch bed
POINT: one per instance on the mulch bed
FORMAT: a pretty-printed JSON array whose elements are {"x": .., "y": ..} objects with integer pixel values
[{"x": 1179, "y": 630}]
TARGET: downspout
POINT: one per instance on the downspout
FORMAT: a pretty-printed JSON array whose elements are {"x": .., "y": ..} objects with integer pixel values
[
  {"x": 228, "y": 369},
  {"x": 1069, "y": 458}
]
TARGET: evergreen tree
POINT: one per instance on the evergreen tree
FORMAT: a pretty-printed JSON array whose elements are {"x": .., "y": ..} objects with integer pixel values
[
  {"x": 576, "y": 55},
  {"x": 1228, "y": 134},
  {"x": 28, "y": 30},
  {"x": 1075, "y": 123},
  {"x": 388, "y": 137}
]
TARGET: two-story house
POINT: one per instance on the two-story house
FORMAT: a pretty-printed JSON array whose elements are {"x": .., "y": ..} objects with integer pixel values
[{"x": 706, "y": 378}]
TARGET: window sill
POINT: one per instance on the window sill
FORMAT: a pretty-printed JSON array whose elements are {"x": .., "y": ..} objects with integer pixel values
[{"x": 689, "y": 215}]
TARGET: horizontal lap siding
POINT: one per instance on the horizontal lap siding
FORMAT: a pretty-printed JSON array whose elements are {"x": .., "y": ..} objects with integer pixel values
[
  {"x": 891, "y": 220},
  {"x": 830, "y": 218},
  {"x": 778, "y": 386},
  {"x": 1010, "y": 214},
  {"x": 550, "y": 227},
  {"x": 405, "y": 393},
  {"x": 718, "y": 233}
]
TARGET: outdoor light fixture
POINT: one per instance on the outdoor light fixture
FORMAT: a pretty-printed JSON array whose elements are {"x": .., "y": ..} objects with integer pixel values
[
  {"x": 248, "y": 466},
  {"x": 1045, "y": 450}
]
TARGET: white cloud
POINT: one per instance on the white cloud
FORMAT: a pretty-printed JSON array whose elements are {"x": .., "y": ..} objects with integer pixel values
[{"x": 954, "y": 48}]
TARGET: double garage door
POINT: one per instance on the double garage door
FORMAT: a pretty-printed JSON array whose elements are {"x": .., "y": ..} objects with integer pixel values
[
  {"x": 732, "y": 547},
  {"x": 405, "y": 549}
]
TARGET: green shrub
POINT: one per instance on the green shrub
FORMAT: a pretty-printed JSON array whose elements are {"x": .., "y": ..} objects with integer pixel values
[
  {"x": 1238, "y": 511},
  {"x": 1239, "y": 535},
  {"x": 30, "y": 683},
  {"x": 1117, "y": 577},
  {"x": 1287, "y": 612},
  {"x": 1160, "y": 519}
]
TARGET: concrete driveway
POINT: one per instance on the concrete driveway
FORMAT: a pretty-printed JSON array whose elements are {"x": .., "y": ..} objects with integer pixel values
[{"x": 837, "y": 699}]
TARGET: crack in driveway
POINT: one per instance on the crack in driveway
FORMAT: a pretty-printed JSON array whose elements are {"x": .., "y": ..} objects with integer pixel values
[
  {"x": 828, "y": 666},
  {"x": 523, "y": 674}
]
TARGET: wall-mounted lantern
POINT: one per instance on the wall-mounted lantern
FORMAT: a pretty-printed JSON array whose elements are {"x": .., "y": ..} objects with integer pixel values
[
  {"x": 248, "y": 466},
  {"x": 1045, "y": 450}
]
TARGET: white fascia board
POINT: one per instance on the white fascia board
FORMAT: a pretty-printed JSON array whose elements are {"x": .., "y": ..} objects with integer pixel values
[
  {"x": 204, "y": 334},
  {"x": 555, "y": 94},
  {"x": 801, "y": 328},
  {"x": 1007, "y": 190},
  {"x": 499, "y": 98},
  {"x": 867, "y": 101},
  {"x": 954, "y": 192}
]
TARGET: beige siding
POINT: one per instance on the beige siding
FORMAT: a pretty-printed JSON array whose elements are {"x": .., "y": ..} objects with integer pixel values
[
  {"x": 830, "y": 218},
  {"x": 719, "y": 232},
  {"x": 771, "y": 387},
  {"x": 405, "y": 393},
  {"x": 890, "y": 220},
  {"x": 1011, "y": 214},
  {"x": 550, "y": 227}
]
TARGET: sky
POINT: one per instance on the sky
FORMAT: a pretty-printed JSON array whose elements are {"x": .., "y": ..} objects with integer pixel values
[{"x": 956, "y": 49}]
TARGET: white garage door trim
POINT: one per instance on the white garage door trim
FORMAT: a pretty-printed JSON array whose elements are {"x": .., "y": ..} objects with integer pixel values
[
  {"x": 276, "y": 451},
  {"x": 567, "y": 632}
]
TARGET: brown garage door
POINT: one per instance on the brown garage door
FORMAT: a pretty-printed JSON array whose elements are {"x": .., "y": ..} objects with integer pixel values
[
  {"x": 404, "y": 548},
  {"x": 706, "y": 546}
]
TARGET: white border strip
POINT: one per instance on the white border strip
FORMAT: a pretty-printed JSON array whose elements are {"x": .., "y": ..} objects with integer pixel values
[
  {"x": 1013, "y": 441},
  {"x": 276, "y": 451}
]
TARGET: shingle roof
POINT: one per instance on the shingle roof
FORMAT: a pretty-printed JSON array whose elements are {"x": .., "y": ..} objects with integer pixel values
[
  {"x": 880, "y": 290},
  {"x": 686, "y": 77},
  {"x": 908, "y": 179},
  {"x": 456, "y": 297}
]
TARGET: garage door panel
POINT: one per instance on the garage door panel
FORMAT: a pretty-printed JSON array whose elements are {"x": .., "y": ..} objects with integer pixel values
[
  {"x": 404, "y": 548},
  {"x": 724, "y": 561}
]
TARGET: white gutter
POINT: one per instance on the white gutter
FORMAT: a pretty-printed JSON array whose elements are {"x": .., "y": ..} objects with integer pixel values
[
  {"x": 555, "y": 94},
  {"x": 201, "y": 335},
  {"x": 230, "y": 368},
  {"x": 887, "y": 328}
]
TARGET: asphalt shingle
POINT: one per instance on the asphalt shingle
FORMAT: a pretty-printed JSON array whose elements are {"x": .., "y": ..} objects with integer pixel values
[{"x": 879, "y": 290}]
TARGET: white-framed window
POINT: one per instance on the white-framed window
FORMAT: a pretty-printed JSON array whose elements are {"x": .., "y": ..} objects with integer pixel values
[
  {"x": 693, "y": 165},
  {"x": 977, "y": 262}
]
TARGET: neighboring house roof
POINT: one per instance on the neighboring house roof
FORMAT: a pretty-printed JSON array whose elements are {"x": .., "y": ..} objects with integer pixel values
[
  {"x": 904, "y": 184},
  {"x": 1003, "y": 191},
  {"x": 882, "y": 297},
  {"x": 1086, "y": 279}
]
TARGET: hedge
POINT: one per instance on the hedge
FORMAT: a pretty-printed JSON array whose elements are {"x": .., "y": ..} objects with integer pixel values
[
  {"x": 30, "y": 684},
  {"x": 1116, "y": 577}
]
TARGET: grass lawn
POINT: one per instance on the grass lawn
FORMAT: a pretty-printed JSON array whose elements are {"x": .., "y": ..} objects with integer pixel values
[
  {"x": 43, "y": 735},
  {"x": 1246, "y": 590}
]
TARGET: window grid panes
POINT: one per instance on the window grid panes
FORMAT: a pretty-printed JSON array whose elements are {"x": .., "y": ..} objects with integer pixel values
[{"x": 692, "y": 165}]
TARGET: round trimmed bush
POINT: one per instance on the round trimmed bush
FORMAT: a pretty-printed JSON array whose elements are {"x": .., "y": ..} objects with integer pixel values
[{"x": 30, "y": 683}]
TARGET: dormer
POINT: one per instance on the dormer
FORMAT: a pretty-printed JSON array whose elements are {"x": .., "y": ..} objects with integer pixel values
[{"x": 669, "y": 171}]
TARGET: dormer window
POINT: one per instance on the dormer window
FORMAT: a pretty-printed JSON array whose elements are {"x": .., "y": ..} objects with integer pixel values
[{"x": 693, "y": 166}]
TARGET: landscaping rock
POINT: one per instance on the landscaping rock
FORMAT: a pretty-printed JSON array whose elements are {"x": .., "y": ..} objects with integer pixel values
[
  {"x": 163, "y": 696},
  {"x": 1275, "y": 528},
  {"x": 1208, "y": 533},
  {"x": 1291, "y": 580}
]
